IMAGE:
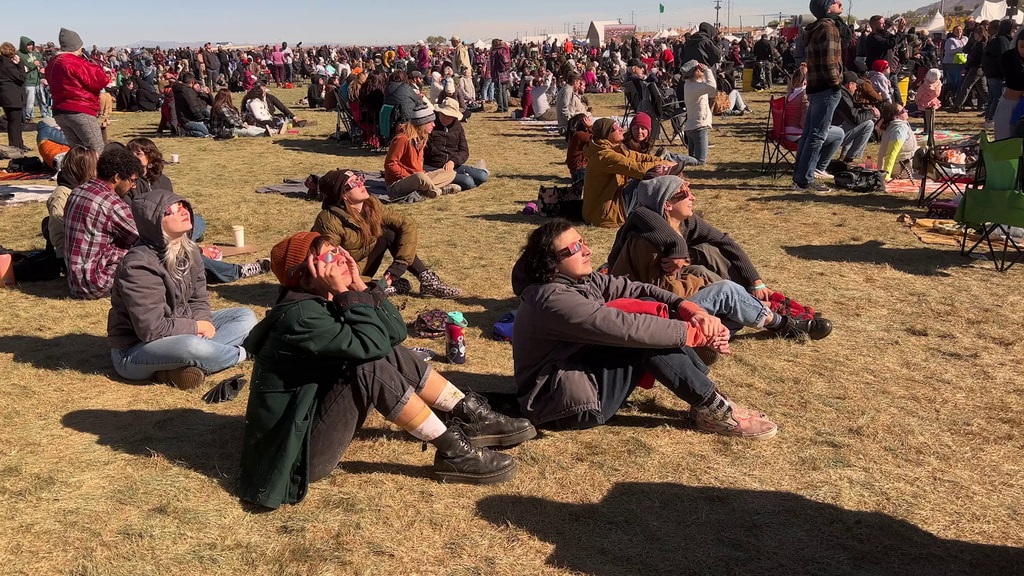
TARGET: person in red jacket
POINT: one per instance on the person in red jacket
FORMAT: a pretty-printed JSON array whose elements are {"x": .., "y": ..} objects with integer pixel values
[{"x": 75, "y": 86}]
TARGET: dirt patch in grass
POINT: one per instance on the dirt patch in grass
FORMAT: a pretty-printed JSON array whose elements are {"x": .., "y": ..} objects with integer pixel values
[{"x": 899, "y": 450}]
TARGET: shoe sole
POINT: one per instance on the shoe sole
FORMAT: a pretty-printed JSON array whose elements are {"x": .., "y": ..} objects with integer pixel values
[
  {"x": 765, "y": 436},
  {"x": 464, "y": 478},
  {"x": 429, "y": 194},
  {"x": 189, "y": 378},
  {"x": 503, "y": 441}
]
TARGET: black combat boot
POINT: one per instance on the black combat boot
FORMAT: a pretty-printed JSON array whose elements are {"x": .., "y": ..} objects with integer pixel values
[
  {"x": 457, "y": 460},
  {"x": 484, "y": 427}
]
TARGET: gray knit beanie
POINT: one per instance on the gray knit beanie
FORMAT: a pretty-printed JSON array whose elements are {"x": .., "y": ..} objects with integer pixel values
[
  {"x": 653, "y": 193},
  {"x": 422, "y": 115},
  {"x": 69, "y": 40}
]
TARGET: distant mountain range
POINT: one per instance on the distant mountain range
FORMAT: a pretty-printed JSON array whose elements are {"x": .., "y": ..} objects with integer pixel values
[{"x": 948, "y": 6}]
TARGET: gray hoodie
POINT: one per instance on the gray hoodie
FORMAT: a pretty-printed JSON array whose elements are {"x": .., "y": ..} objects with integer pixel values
[
  {"x": 559, "y": 321},
  {"x": 146, "y": 302}
]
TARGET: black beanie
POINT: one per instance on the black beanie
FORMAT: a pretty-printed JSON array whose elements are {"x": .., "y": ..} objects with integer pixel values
[{"x": 820, "y": 7}]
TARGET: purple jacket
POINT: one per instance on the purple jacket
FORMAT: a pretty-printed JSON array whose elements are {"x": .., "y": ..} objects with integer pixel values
[{"x": 501, "y": 64}]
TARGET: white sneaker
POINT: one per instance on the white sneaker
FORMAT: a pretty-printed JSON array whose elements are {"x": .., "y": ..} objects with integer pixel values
[{"x": 822, "y": 175}]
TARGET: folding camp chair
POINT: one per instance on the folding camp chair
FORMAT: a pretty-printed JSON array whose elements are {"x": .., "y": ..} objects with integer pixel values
[
  {"x": 676, "y": 118},
  {"x": 627, "y": 110},
  {"x": 346, "y": 124},
  {"x": 944, "y": 173},
  {"x": 384, "y": 127},
  {"x": 777, "y": 148},
  {"x": 994, "y": 202}
]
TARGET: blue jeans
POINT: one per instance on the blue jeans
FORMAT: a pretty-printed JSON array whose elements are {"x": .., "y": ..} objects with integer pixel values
[
  {"x": 468, "y": 177},
  {"x": 697, "y": 144},
  {"x": 833, "y": 140},
  {"x": 731, "y": 303},
  {"x": 221, "y": 352},
  {"x": 821, "y": 106},
  {"x": 995, "y": 91},
  {"x": 501, "y": 96},
  {"x": 35, "y": 95},
  {"x": 44, "y": 132},
  {"x": 487, "y": 89},
  {"x": 216, "y": 272},
  {"x": 681, "y": 159},
  {"x": 856, "y": 140},
  {"x": 196, "y": 129}
]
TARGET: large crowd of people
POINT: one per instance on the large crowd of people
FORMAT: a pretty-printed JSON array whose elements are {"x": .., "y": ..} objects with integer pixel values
[{"x": 675, "y": 290}]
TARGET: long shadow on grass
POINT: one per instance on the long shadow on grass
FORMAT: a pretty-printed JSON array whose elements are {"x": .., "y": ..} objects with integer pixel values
[
  {"x": 262, "y": 294},
  {"x": 85, "y": 353},
  {"x": 666, "y": 528},
  {"x": 918, "y": 261},
  {"x": 202, "y": 441},
  {"x": 873, "y": 202},
  {"x": 326, "y": 146}
]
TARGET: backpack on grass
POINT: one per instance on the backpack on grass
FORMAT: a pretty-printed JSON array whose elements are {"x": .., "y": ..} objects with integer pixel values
[
  {"x": 561, "y": 201},
  {"x": 859, "y": 179}
]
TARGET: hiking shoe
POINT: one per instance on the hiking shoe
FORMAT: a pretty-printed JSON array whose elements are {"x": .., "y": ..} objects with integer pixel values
[
  {"x": 811, "y": 187},
  {"x": 430, "y": 193},
  {"x": 451, "y": 189},
  {"x": 484, "y": 427},
  {"x": 707, "y": 355},
  {"x": 815, "y": 329},
  {"x": 431, "y": 285},
  {"x": 185, "y": 378},
  {"x": 733, "y": 420},
  {"x": 457, "y": 460},
  {"x": 261, "y": 266},
  {"x": 399, "y": 287}
]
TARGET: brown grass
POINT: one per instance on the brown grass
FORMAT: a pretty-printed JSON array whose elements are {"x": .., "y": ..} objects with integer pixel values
[{"x": 900, "y": 441}]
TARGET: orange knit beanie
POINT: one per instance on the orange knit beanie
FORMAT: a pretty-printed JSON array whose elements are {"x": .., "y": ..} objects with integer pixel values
[{"x": 288, "y": 254}]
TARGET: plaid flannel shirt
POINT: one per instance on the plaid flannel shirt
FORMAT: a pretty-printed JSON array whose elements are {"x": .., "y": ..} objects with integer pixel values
[
  {"x": 98, "y": 231},
  {"x": 824, "y": 55}
]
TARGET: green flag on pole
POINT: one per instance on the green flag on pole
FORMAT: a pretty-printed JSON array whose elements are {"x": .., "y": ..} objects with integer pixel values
[{"x": 661, "y": 8}]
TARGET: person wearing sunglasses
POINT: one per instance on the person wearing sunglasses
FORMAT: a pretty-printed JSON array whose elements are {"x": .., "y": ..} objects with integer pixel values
[
  {"x": 579, "y": 352},
  {"x": 368, "y": 229},
  {"x": 329, "y": 352},
  {"x": 662, "y": 236},
  {"x": 610, "y": 166},
  {"x": 160, "y": 325},
  {"x": 898, "y": 143}
]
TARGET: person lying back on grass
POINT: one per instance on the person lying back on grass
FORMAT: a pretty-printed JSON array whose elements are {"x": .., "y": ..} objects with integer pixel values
[
  {"x": 330, "y": 351},
  {"x": 579, "y": 354},
  {"x": 652, "y": 247}
]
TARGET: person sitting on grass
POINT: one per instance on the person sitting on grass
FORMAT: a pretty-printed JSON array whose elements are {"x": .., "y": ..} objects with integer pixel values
[
  {"x": 153, "y": 178},
  {"x": 263, "y": 109},
  {"x": 330, "y": 351},
  {"x": 160, "y": 326},
  {"x": 98, "y": 225},
  {"x": 316, "y": 94},
  {"x": 898, "y": 143},
  {"x": 654, "y": 246},
  {"x": 639, "y": 139},
  {"x": 77, "y": 168},
  {"x": 226, "y": 121},
  {"x": 609, "y": 167},
  {"x": 578, "y": 353},
  {"x": 190, "y": 104},
  {"x": 447, "y": 148},
  {"x": 578, "y": 134},
  {"x": 367, "y": 229},
  {"x": 403, "y": 166}
]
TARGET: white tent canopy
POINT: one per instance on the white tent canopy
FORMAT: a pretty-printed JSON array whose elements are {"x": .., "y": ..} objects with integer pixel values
[
  {"x": 667, "y": 33},
  {"x": 595, "y": 35},
  {"x": 994, "y": 11},
  {"x": 936, "y": 24}
]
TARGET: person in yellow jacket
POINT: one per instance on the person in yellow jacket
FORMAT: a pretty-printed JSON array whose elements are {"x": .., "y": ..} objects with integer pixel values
[
  {"x": 354, "y": 220},
  {"x": 609, "y": 167}
]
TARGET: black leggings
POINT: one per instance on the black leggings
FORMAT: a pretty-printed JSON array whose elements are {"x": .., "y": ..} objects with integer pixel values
[
  {"x": 14, "y": 122},
  {"x": 388, "y": 243}
]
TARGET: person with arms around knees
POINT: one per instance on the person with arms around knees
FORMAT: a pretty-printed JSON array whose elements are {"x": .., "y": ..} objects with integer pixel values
[
  {"x": 98, "y": 224},
  {"x": 160, "y": 325},
  {"x": 327, "y": 353},
  {"x": 367, "y": 229},
  {"x": 823, "y": 42},
  {"x": 75, "y": 86},
  {"x": 447, "y": 148},
  {"x": 403, "y": 166},
  {"x": 579, "y": 354}
]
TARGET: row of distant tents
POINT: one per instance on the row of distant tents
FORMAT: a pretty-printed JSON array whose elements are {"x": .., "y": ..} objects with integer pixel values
[{"x": 985, "y": 11}]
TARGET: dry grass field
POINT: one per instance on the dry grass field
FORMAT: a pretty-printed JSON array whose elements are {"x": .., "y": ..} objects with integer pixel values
[{"x": 900, "y": 441}]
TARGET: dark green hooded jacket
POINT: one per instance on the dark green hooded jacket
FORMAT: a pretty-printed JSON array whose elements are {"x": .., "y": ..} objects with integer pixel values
[
  {"x": 305, "y": 345},
  {"x": 32, "y": 61}
]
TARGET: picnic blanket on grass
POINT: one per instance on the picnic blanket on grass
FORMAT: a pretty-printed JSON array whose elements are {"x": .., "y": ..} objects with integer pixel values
[
  {"x": 937, "y": 231},
  {"x": 375, "y": 185},
  {"x": 20, "y": 176},
  {"x": 18, "y": 194}
]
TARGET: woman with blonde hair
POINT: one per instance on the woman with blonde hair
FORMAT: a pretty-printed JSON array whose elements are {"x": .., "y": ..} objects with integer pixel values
[
  {"x": 403, "y": 166},
  {"x": 367, "y": 229},
  {"x": 160, "y": 326}
]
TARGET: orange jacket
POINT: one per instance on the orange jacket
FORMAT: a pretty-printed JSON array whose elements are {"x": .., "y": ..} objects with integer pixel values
[{"x": 403, "y": 159}]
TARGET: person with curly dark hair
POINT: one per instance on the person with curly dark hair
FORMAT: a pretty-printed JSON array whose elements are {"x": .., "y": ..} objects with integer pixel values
[{"x": 584, "y": 340}]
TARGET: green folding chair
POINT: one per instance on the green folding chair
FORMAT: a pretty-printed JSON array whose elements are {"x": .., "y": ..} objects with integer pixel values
[{"x": 995, "y": 201}]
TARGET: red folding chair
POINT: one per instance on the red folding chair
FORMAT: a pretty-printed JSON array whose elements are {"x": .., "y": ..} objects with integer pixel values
[{"x": 778, "y": 150}]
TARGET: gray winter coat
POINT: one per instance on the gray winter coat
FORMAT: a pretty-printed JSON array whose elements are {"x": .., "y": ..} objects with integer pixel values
[
  {"x": 560, "y": 320},
  {"x": 146, "y": 302}
]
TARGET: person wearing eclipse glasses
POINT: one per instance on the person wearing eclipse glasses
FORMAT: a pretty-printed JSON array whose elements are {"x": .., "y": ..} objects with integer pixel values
[{"x": 584, "y": 340}]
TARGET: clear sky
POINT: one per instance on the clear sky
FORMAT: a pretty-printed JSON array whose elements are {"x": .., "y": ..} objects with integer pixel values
[{"x": 121, "y": 22}]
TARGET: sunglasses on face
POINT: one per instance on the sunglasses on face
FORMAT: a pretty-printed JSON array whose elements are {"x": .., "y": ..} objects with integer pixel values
[
  {"x": 353, "y": 183},
  {"x": 571, "y": 250},
  {"x": 683, "y": 194},
  {"x": 173, "y": 209}
]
